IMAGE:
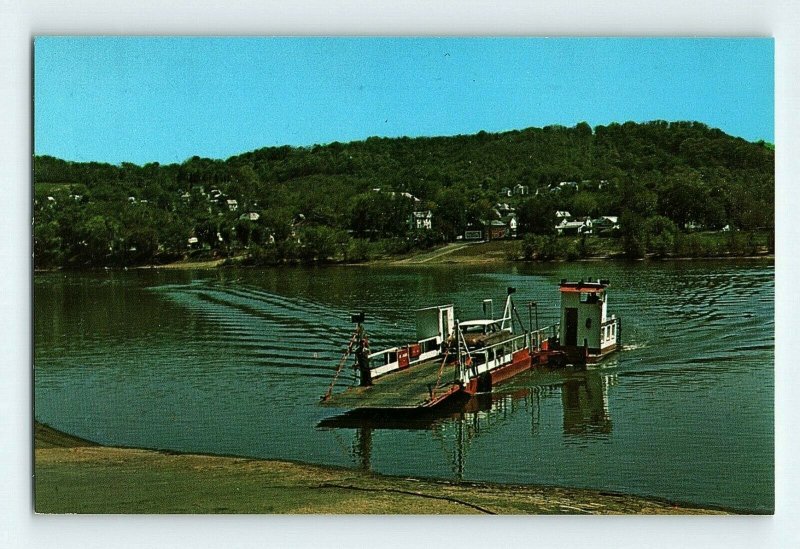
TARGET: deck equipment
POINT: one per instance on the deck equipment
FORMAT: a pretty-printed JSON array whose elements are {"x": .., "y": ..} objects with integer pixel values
[{"x": 465, "y": 358}]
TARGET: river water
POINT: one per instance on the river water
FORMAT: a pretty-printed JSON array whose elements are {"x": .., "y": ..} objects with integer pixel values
[{"x": 234, "y": 361}]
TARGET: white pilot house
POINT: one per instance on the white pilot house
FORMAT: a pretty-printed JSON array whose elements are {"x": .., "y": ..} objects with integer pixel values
[{"x": 586, "y": 334}]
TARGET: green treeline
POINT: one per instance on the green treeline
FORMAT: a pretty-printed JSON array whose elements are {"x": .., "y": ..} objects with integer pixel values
[{"x": 319, "y": 203}]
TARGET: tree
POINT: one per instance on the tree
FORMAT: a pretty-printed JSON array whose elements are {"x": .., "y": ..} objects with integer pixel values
[
  {"x": 243, "y": 229},
  {"x": 174, "y": 235},
  {"x": 141, "y": 245},
  {"x": 99, "y": 235},
  {"x": 585, "y": 203},
  {"x": 634, "y": 236},
  {"x": 245, "y": 185},
  {"x": 450, "y": 213},
  {"x": 47, "y": 249},
  {"x": 480, "y": 207},
  {"x": 380, "y": 215},
  {"x": 206, "y": 231},
  {"x": 583, "y": 129},
  {"x": 279, "y": 221},
  {"x": 683, "y": 198},
  {"x": 320, "y": 244},
  {"x": 660, "y": 234},
  {"x": 636, "y": 197},
  {"x": 537, "y": 215},
  {"x": 366, "y": 215}
]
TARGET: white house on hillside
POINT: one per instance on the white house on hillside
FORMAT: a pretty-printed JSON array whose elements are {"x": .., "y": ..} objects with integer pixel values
[
  {"x": 583, "y": 226},
  {"x": 513, "y": 224},
  {"x": 421, "y": 220},
  {"x": 605, "y": 224},
  {"x": 521, "y": 189}
]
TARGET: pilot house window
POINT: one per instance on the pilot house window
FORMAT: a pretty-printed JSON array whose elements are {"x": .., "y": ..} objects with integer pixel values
[{"x": 589, "y": 297}]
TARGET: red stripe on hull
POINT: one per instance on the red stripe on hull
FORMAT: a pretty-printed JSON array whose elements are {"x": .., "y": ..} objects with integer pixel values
[{"x": 520, "y": 361}]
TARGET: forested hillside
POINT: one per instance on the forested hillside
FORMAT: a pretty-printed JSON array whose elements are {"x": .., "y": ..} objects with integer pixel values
[{"x": 319, "y": 203}]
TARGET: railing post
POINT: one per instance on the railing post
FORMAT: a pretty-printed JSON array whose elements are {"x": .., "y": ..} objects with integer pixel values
[{"x": 459, "y": 366}]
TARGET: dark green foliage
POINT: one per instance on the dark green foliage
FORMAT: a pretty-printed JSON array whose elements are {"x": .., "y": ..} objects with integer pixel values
[
  {"x": 546, "y": 247},
  {"x": 380, "y": 215},
  {"x": 142, "y": 245},
  {"x": 450, "y": 213},
  {"x": 319, "y": 203},
  {"x": 697, "y": 245},
  {"x": 423, "y": 239},
  {"x": 321, "y": 244},
  {"x": 660, "y": 235},
  {"x": 537, "y": 215},
  {"x": 358, "y": 250},
  {"x": 633, "y": 233},
  {"x": 262, "y": 255}
]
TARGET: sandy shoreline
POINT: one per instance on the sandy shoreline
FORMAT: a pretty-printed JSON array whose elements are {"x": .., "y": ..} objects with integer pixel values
[{"x": 78, "y": 476}]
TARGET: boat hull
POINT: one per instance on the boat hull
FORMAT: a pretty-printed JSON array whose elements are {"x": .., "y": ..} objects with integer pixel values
[{"x": 581, "y": 356}]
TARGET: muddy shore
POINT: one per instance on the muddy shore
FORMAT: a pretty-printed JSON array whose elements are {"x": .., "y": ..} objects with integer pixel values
[{"x": 73, "y": 475}]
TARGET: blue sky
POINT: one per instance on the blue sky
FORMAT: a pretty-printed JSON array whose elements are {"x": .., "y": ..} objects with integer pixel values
[{"x": 145, "y": 99}]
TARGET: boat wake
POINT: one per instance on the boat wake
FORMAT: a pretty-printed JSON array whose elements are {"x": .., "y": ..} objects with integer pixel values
[
  {"x": 292, "y": 335},
  {"x": 634, "y": 346}
]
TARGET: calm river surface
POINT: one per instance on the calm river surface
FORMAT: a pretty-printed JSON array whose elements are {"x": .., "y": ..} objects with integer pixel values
[{"x": 234, "y": 362}]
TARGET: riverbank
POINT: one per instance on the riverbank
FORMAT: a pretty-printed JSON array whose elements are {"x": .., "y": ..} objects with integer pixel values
[
  {"x": 493, "y": 252},
  {"x": 73, "y": 475},
  {"x": 479, "y": 253}
]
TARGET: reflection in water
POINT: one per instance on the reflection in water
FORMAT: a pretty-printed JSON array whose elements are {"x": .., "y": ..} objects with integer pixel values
[
  {"x": 362, "y": 447},
  {"x": 584, "y": 401},
  {"x": 585, "y": 405}
]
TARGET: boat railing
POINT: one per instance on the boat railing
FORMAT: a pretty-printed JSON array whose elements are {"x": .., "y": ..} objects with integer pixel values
[
  {"x": 401, "y": 357},
  {"x": 476, "y": 361},
  {"x": 609, "y": 332},
  {"x": 543, "y": 334}
]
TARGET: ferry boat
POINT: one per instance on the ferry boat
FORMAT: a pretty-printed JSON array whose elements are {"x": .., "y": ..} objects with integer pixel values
[{"x": 450, "y": 357}]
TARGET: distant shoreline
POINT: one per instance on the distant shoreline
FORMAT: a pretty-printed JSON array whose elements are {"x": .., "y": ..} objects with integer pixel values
[
  {"x": 73, "y": 475},
  {"x": 410, "y": 262},
  {"x": 428, "y": 258}
]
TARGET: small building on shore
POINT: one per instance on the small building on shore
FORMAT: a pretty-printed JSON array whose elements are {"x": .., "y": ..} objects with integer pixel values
[
  {"x": 577, "y": 227},
  {"x": 511, "y": 222},
  {"x": 473, "y": 231},
  {"x": 605, "y": 225},
  {"x": 421, "y": 220}
]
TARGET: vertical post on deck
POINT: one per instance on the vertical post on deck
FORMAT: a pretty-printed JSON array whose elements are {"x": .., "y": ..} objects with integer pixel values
[
  {"x": 362, "y": 351},
  {"x": 458, "y": 352}
]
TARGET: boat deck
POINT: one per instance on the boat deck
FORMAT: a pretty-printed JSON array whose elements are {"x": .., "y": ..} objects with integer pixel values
[{"x": 406, "y": 389}]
